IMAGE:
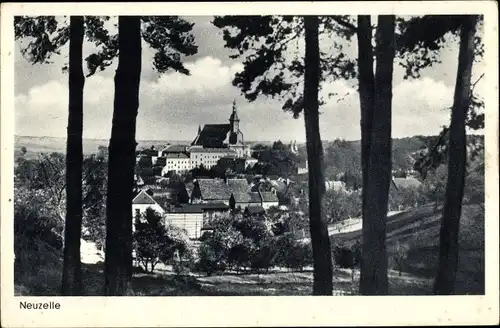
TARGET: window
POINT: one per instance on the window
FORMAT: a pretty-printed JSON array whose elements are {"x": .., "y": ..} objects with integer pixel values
[{"x": 137, "y": 212}]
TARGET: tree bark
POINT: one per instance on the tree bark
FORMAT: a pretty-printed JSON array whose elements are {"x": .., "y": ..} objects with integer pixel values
[
  {"x": 373, "y": 279},
  {"x": 457, "y": 156},
  {"x": 320, "y": 240},
  {"x": 118, "y": 262},
  {"x": 366, "y": 89},
  {"x": 72, "y": 275}
]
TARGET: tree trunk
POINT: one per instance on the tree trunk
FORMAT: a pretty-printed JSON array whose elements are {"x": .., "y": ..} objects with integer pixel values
[
  {"x": 72, "y": 271},
  {"x": 320, "y": 240},
  {"x": 373, "y": 279},
  {"x": 118, "y": 263},
  {"x": 366, "y": 89},
  {"x": 448, "y": 250}
]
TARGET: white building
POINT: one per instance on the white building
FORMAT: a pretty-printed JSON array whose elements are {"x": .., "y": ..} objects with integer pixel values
[{"x": 176, "y": 162}]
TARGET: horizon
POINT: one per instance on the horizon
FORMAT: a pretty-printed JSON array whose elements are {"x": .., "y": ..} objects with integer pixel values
[{"x": 172, "y": 106}]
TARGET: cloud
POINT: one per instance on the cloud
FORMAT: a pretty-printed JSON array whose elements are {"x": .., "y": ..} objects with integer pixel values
[{"x": 173, "y": 106}]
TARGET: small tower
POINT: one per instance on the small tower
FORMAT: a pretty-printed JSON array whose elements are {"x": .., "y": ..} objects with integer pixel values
[{"x": 234, "y": 121}]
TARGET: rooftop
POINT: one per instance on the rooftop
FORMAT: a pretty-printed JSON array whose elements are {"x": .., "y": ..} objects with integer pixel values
[
  {"x": 402, "y": 183},
  {"x": 176, "y": 156},
  {"x": 143, "y": 198},
  {"x": 211, "y": 150},
  {"x": 212, "y": 135}
]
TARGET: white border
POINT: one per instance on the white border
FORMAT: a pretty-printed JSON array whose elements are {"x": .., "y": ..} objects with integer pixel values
[{"x": 253, "y": 311}]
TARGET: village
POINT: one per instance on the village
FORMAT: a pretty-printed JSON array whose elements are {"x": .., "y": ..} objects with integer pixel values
[{"x": 193, "y": 184}]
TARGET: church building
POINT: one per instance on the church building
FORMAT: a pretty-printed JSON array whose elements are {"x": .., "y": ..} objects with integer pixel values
[{"x": 215, "y": 141}]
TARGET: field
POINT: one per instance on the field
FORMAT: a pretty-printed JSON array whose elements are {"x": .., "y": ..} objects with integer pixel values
[{"x": 418, "y": 229}]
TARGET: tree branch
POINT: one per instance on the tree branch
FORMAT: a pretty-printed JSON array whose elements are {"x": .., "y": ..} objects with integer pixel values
[{"x": 345, "y": 24}]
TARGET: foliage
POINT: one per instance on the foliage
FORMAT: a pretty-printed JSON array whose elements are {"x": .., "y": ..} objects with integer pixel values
[
  {"x": 343, "y": 161},
  {"x": 400, "y": 255},
  {"x": 45, "y": 177},
  {"x": 341, "y": 205},
  {"x": 347, "y": 257},
  {"x": 263, "y": 42},
  {"x": 239, "y": 242},
  {"x": 292, "y": 254},
  {"x": 274, "y": 160},
  {"x": 94, "y": 198},
  {"x": 435, "y": 185},
  {"x": 155, "y": 243},
  {"x": 405, "y": 198},
  {"x": 169, "y": 36},
  {"x": 33, "y": 220}
]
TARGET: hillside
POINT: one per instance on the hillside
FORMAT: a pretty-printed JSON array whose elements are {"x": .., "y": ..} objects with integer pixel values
[{"x": 418, "y": 230}]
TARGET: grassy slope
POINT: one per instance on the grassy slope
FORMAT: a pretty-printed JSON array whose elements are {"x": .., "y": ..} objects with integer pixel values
[{"x": 419, "y": 231}]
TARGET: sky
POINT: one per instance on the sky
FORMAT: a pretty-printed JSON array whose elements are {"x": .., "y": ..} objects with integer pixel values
[{"x": 172, "y": 106}]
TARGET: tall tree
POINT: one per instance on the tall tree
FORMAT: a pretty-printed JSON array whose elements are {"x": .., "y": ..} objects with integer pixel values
[
  {"x": 373, "y": 279},
  {"x": 72, "y": 272},
  {"x": 366, "y": 86},
  {"x": 457, "y": 154},
  {"x": 48, "y": 36},
  {"x": 266, "y": 43},
  {"x": 319, "y": 231},
  {"x": 118, "y": 261},
  {"x": 170, "y": 38}
]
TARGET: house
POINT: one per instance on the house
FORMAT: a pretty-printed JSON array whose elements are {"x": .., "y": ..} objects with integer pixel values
[
  {"x": 176, "y": 162},
  {"x": 208, "y": 157},
  {"x": 233, "y": 163},
  {"x": 173, "y": 149},
  {"x": 194, "y": 218},
  {"x": 254, "y": 210},
  {"x": 404, "y": 183},
  {"x": 244, "y": 199},
  {"x": 141, "y": 202},
  {"x": 396, "y": 190},
  {"x": 210, "y": 191},
  {"x": 268, "y": 199},
  {"x": 335, "y": 185}
]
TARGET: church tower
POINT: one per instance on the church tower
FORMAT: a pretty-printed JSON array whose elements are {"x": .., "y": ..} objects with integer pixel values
[
  {"x": 236, "y": 137},
  {"x": 234, "y": 121}
]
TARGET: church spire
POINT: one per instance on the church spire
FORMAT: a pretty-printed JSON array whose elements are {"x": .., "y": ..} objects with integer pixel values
[{"x": 234, "y": 115}]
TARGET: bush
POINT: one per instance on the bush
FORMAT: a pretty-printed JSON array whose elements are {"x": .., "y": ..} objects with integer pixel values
[
  {"x": 347, "y": 257},
  {"x": 293, "y": 254},
  {"x": 263, "y": 256},
  {"x": 210, "y": 259},
  {"x": 155, "y": 243}
]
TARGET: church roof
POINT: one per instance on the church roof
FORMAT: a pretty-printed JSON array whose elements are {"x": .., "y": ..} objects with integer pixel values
[{"x": 212, "y": 135}]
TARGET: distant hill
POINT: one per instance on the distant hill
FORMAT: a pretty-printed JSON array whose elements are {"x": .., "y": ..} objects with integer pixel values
[
  {"x": 402, "y": 147},
  {"x": 36, "y": 145}
]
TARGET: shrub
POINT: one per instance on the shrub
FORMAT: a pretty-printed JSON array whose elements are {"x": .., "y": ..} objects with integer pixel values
[
  {"x": 293, "y": 254},
  {"x": 263, "y": 255},
  {"x": 347, "y": 257},
  {"x": 210, "y": 259},
  {"x": 155, "y": 243}
]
